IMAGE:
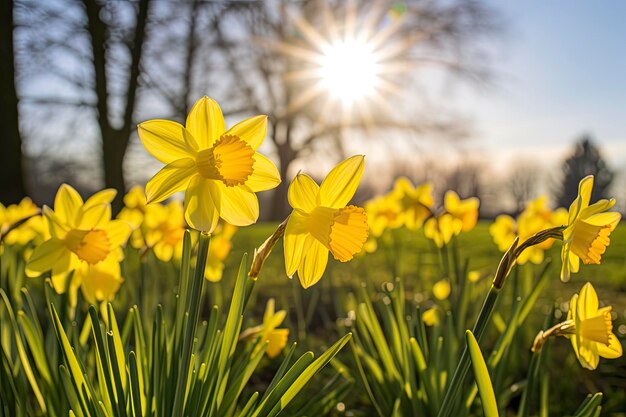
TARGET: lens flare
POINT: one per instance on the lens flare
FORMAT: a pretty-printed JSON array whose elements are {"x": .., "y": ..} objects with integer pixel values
[{"x": 349, "y": 70}]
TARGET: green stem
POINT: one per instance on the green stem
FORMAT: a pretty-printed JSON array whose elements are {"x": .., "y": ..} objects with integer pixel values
[
  {"x": 449, "y": 400},
  {"x": 193, "y": 311}
]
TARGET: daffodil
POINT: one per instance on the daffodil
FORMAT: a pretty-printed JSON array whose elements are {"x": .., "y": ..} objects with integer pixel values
[
  {"x": 536, "y": 217},
  {"x": 383, "y": 212},
  {"x": 133, "y": 213},
  {"x": 268, "y": 332},
  {"x": 84, "y": 240},
  {"x": 322, "y": 221},
  {"x": 503, "y": 231},
  {"x": 441, "y": 289},
  {"x": 440, "y": 229},
  {"x": 593, "y": 337},
  {"x": 415, "y": 202},
  {"x": 431, "y": 317},
  {"x": 464, "y": 212},
  {"x": 219, "y": 169},
  {"x": 14, "y": 213},
  {"x": 589, "y": 327},
  {"x": 588, "y": 229},
  {"x": 218, "y": 251}
]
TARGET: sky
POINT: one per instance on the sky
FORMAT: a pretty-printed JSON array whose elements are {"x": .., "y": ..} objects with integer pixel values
[{"x": 560, "y": 72}]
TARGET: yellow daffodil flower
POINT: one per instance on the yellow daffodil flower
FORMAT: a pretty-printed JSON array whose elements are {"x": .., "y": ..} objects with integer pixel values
[
  {"x": 537, "y": 216},
  {"x": 474, "y": 275},
  {"x": 155, "y": 226},
  {"x": 464, "y": 212},
  {"x": 218, "y": 251},
  {"x": 587, "y": 234},
  {"x": 383, "y": 213},
  {"x": 593, "y": 329},
  {"x": 441, "y": 289},
  {"x": 165, "y": 229},
  {"x": 84, "y": 240},
  {"x": 440, "y": 229},
  {"x": 321, "y": 221},
  {"x": 220, "y": 169},
  {"x": 415, "y": 202},
  {"x": 268, "y": 331},
  {"x": 431, "y": 317},
  {"x": 503, "y": 231},
  {"x": 14, "y": 213},
  {"x": 133, "y": 213}
]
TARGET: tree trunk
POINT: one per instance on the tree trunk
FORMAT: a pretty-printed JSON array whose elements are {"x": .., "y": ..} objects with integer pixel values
[
  {"x": 12, "y": 188},
  {"x": 114, "y": 141}
]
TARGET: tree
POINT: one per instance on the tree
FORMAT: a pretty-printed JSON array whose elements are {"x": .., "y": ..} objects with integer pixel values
[
  {"x": 585, "y": 160},
  {"x": 269, "y": 59},
  {"x": 88, "y": 53},
  {"x": 522, "y": 183},
  {"x": 12, "y": 187}
]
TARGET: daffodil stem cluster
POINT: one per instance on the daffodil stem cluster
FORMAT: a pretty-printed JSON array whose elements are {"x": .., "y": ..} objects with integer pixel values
[
  {"x": 190, "y": 322},
  {"x": 504, "y": 268}
]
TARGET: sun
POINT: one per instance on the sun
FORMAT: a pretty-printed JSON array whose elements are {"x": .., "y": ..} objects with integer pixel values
[
  {"x": 346, "y": 66},
  {"x": 349, "y": 70}
]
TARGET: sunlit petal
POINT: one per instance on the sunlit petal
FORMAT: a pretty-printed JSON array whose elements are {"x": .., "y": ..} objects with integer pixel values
[
  {"x": 294, "y": 241},
  {"x": 66, "y": 203},
  {"x": 302, "y": 193},
  {"x": 314, "y": 264},
  {"x": 341, "y": 183},
  {"x": 50, "y": 255},
  {"x": 170, "y": 179},
  {"x": 165, "y": 140},
  {"x": 205, "y": 122},
  {"x": 264, "y": 176},
  {"x": 200, "y": 209},
  {"x": 237, "y": 205},
  {"x": 252, "y": 130}
]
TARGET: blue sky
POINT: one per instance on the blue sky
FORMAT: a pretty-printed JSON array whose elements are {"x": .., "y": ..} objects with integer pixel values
[{"x": 561, "y": 71}]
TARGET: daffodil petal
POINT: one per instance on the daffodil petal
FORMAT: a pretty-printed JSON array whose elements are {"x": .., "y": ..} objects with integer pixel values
[
  {"x": 451, "y": 201},
  {"x": 252, "y": 130},
  {"x": 264, "y": 176},
  {"x": 239, "y": 206},
  {"x": 597, "y": 207},
  {"x": 587, "y": 304},
  {"x": 302, "y": 193},
  {"x": 118, "y": 232},
  {"x": 172, "y": 178},
  {"x": 565, "y": 272},
  {"x": 612, "y": 350},
  {"x": 102, "y": 281},
  {"x": 341, "y": 183},
  {"x": 574, "y": 263},
  {"x": 94, "y": 217},
  {"x": 206, "y": 122},
  {"x": 611, "y": 219},
  {"x": 67, "y": 203},
  {"x": 101, "y": 197},
  {"x": 582, "y": 201},
  {"x": 200, "y": 208},
  {"x": 165, "y": 140},
  {"x": 314, "y": 263},
  {"x": 295, "y": 237},
  {"x": 51, "y": 254}
]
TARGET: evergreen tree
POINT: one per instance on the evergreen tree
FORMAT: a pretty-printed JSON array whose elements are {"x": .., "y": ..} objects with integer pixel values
[{"x": 586, "y": 160}]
